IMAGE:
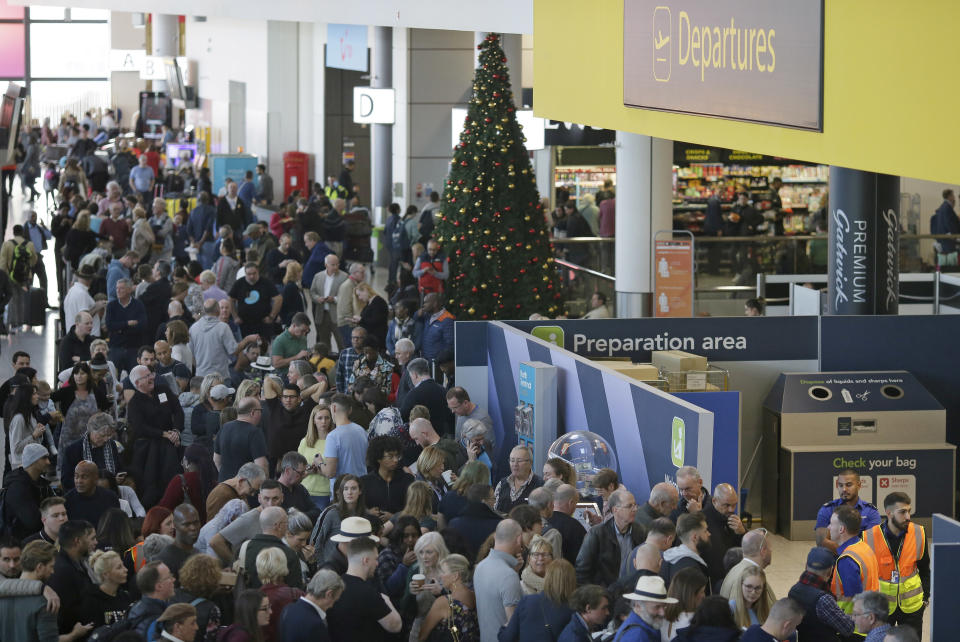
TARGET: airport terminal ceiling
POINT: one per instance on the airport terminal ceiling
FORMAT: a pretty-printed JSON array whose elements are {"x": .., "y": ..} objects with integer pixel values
[{"x": 505, "y": 16}]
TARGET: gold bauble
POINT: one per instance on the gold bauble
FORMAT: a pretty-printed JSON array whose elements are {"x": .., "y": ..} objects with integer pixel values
[
  {"x": 508, "y": 248},
  {"x": 483, "y": 286},
  {"x": 503, "y": 238},
  {"x": 489, "y": 257},
  {"x": 471, "y": 310},
  {"x": 490, "y": 188}
]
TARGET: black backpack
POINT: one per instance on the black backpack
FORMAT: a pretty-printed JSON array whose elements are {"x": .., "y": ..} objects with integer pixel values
[{"x": 20, "y": 269}]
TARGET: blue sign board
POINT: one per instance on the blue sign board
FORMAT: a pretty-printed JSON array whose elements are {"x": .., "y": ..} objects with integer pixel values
[
  {"x": 528, "y": 388},
  {"x": 716, "y": 338},
  {"x": 347, "y": 47},
  {"x": 233, "y": 166}
]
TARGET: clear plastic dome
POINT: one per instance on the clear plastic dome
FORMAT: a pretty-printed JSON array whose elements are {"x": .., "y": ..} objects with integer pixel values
[{"x": 587, "y": 452}]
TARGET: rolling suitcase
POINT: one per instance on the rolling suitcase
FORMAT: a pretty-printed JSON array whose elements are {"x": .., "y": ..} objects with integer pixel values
[{"x": 37, "y": 307}]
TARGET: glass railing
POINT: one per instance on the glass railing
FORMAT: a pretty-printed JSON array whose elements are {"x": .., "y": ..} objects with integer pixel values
[
  {"x": 727, "y": 267},
  {"x": 579, "y": 285}
]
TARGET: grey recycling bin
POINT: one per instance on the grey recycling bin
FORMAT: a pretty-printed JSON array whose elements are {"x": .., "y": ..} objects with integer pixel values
[{"x": 885, "y": 425}]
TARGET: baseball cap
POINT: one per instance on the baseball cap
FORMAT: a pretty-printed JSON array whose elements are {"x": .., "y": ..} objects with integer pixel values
[
  {"x": 221, "y": 391},
  {"x": 820, "y": 558}
]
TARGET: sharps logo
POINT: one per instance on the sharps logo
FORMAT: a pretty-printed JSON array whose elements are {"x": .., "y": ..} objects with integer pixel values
[
  {"x": 661, "y": 43},
  {"x": 677, "y": 441}
]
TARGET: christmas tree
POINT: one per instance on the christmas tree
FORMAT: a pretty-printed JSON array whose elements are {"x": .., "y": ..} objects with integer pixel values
[{"x": 491, "y": 223}]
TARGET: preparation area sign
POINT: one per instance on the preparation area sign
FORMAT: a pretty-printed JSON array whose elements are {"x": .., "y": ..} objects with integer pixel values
[
  {"x": 673, "y": 281},
  {"x": 753, "y": 60}
]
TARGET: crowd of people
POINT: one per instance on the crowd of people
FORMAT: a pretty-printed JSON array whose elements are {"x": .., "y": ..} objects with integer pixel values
[{"x": 195, "y": 470}]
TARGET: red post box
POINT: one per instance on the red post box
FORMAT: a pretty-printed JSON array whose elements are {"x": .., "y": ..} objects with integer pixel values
[{"x": 296, "y": 173}]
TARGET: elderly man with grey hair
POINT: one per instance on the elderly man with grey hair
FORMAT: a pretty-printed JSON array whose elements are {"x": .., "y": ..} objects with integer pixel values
[
  {"x": 542, "y": 500},
  {"x": 212, "y": 342},
  {"x": 478, "y": 440},
  {"x": 403, "y": 351},
  {"x": 663, "y": 501},
  {"x": 155, "y": 418},
  {"x": 96, "y": 445},
  {"x": 429, "y": 393},
  {"x": 693, "y": 495},
  {"x": 125, "y": 319},
  {"x": 870, "y": 615},
  {"x": 608, "y": 545},
  {"x": 305, "y": 619}
]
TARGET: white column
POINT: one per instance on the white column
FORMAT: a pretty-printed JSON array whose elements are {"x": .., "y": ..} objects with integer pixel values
[
  {"x": 400, "y": 190},
  {"x": 644, "y": 166},
  {"x": 166, "y": 37},
  {"x": 381, "y": 136}
]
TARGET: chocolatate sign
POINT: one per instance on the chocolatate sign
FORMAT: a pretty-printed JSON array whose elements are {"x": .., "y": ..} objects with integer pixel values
[{"x": 753, "y": 60}]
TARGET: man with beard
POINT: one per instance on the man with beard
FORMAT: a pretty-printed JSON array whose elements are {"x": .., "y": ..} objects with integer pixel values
[
  {"x": 848, "y": 487},
  {"x": 286, "y": 423},
  {"x": 78, "y": 539},
  {"x": 900, "y": 546},
  {"x": 186, "y": 524},
  {"x": 694, "y": 541},
  {"x": 648, "y": 604}
]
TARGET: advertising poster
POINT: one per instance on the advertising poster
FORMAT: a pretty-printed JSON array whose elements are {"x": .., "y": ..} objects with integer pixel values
[{"x": 673, "y": 281}]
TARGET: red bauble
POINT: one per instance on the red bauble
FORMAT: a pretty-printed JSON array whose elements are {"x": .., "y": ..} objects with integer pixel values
[
  {"x": 476, "y": 189},
  {"x": 550, "y": 286},
  {"x": 473, "y": 255},
  {"x": 474, "y": 289},
  {"x": 485, "y": 316},
  {"x": 463, "y": 163},
  {"x": 523, "y": 270},
  {"x": 474, "y": 219},
  {"x": 487, "y": 120},
  {"x": 534, "y": 260},
  {"x": 507, "y": 208}
]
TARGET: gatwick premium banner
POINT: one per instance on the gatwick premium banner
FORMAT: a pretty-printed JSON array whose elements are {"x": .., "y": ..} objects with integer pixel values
[
  {"x": 753, "y": 60},
  {"x": 863, "y": 265}
]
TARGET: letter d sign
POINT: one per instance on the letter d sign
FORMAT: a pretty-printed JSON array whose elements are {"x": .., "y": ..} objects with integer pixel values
[{"x": 678, "y": 441}]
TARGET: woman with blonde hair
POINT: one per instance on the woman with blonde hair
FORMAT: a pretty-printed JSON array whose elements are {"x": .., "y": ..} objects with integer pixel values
[
  {"x": 419, "y": 596},
  {"x": 430, "y": 467},
  {"x": 539, "y": 557},
  {"x": 81, "y": 240},
  {"x": 272, "y": 571},
  {"x": 373, "y": 315},
  {"x": 142, "y": 236},
  {"x": 543, "y": 616},
  {"x": 453, "y": 616},
  {"x": 419, "y": 505},
  {"x": 249, "y": 388},
  {"x": 455, "y": 500},
  {"x": 292, "y": 293},
  {"x": 751, "y": 603},
  {"x": 318, "y": 427},
  {"x": 107, "y": 602}
]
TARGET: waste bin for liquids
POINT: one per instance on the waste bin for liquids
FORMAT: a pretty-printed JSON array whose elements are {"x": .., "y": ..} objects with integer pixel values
[
  {"x": 884, "y": 425},
  {"x": 296, "y": 173}
]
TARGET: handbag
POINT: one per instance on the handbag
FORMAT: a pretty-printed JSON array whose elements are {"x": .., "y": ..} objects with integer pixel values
[{"x": 186, "y": 490}]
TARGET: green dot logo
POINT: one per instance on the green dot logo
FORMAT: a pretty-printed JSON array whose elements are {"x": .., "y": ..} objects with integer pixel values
[
  {"x": 678, "y": 442},
  {"x": 549, "y": 333}
]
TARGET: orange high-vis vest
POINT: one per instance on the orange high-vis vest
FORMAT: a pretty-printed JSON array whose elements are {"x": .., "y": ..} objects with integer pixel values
[
  {"x": 862, "y": 554},
  {"x": 899, "y": 577}
]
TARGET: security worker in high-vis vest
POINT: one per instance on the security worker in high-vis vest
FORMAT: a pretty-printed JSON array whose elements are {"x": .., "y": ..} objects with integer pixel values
[
  {"x": 904, "y": 567},
  {"x": 848, "y": 487},
  {"x": 857, "y": 569}
]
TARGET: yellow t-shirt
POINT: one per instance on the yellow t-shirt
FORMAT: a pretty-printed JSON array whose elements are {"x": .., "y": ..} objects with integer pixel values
[{"x": 316, "y": 484}]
